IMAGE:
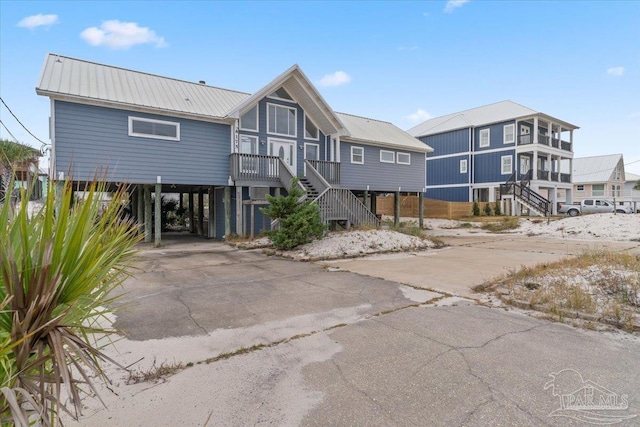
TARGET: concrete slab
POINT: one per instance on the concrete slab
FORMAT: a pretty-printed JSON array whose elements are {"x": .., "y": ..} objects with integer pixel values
[{"x": 471, "y": 260}]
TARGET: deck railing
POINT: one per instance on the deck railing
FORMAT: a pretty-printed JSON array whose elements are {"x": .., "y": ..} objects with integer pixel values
[
  {"x": 316, "y": 179},
  {"x": 255, "y": 167},
  {"x": 526, "y": 195},
  {"x": 342, "y": 205},
  {"x": 329, "y": 170},
  {"x": 544, "y": 140}
]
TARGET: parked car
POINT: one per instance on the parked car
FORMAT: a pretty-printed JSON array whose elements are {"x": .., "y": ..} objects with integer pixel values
[{"x": 588, "y": 206}]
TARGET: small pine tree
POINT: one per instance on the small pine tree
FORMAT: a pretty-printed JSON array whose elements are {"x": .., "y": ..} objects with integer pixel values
[
  {"x": 476, "y": 209},
  {"x": 487, "y": 209},
  {"x": 496, "y": 209},
  {"x": 300, "y": 223}
]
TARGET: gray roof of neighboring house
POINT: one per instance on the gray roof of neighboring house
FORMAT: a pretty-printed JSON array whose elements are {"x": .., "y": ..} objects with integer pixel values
[
  {"x": 594, "y": 169},
  {"x": 380, "y": 133},
  {"x": 488, "y": 114},
  {"x": 76, "y": 78},
  {"x": 631, "y": 177}
]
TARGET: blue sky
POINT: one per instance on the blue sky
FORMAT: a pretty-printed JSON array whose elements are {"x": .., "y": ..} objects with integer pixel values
[{"x": 395, "y": 61}]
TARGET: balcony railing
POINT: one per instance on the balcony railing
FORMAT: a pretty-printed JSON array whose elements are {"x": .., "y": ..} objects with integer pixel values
[
  {"x": 255, "y": 167},
  {"x": 565, "y": 177},
  {"x": 544, "y": 175},
  {"x": 329, "y": 170},
  {"x": 544, "y": 140}
]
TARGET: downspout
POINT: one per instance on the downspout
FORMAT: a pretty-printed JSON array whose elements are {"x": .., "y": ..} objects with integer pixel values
[{"x": 471, "y": 163}]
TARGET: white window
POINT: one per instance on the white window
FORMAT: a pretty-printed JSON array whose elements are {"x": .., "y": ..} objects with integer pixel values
[
  {"x": 311, "y": 151},
  {"x": 509, "y": 134},
  {"x": 249, "y": 120},
  {"x": 281, "y": 120},
  {"x": 387, "y": 156},
  {"x": 403, "y": 158},
  {"x": 357, "y": 155},
  {"x": 507, "y": 165},
  {"x": 281, "y": 94},
  {"x": 463, "y": 166},
  {"x": 484, "y": 137},
  {"x": 157, "y": 129},
  {"x": 597, "y": 190},
  {"x": 248, "y": 144},
  {"x": 310, "y": 129},
  {"x": 579, "y": 187}
]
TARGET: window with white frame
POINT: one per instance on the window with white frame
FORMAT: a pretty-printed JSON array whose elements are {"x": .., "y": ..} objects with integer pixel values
[
  {"x": 157, "y": 129},
  {"x": 357, "y": 155},
  {"x": 311, "y": 151},
  {"x": 403, "y": 158},
  {"x": 249, "y": 145},
  {"x": 579, "y": 187},
  {"x": 509, "y": 134},
  {"x": 463, "y": 166},
  {"x": 507, "y": 165},
  {"x": 310, "y": 129},
  {"x": 484, "y": 137},
  {"x": 249, "y": 120},
  {"x": 597, "y": 190},
  {"x": 281, "y": 120},
  {"x": 387, "y": 156}
]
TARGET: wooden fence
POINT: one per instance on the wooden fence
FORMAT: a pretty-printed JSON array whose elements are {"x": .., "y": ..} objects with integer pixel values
[{"x": 432, "y": 208}]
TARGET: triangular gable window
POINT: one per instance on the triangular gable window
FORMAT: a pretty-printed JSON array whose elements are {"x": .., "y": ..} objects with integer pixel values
[{"x": 282, "y": 94}]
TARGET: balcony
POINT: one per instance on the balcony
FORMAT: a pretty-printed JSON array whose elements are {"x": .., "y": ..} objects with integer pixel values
[
  {"x": 258, "y": 169},
  {"x": 545, "y": 140},
  {"x": 544, "y": 175}
]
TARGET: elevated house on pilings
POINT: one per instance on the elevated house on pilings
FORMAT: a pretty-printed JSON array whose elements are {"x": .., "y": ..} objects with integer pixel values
[
  {"x": 163, "y": 135},
  {"x": 502, "y": 151}
]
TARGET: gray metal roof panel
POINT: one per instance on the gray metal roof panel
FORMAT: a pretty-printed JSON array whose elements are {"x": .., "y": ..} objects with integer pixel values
[
  {"x": 594, "y": 169},
  {"x": 78, "y": 78},
  {"x": 379, "y": 132},
  {"x": 487, "y": 114}
]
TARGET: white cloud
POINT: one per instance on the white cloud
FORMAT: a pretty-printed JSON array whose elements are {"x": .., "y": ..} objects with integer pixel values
[
  {"x": 407, "y": 47},
  {"x": 335, "y": 79},
  {"x": 121, "y": 35},
  {"x": 38, "y": 20},
  {"x": 615, "y": 71},
  {"x": 419, "y": 116},
  {"x": 453, "y": 5}
]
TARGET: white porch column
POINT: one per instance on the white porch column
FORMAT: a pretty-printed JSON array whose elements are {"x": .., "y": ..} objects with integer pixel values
[
  {"x": 535, "y": 130},
  {"x": 558, "y": 159},
  {"x": 492, "y": 194},
  {"x": 534, "y": 164},
  {"x": 559, "y": 137},
  {"x": 571, "y": 167},
  {"x": 571, "y": 139},
  {"x": 553, "y": 198},
  {"x": 337, "y": 148},
  {"x": 550, "y": 131},
  {"x": 568, "y": 196}
]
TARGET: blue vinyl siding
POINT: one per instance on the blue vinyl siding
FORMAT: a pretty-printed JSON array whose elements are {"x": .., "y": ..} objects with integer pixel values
[
  {"x": 451, "y": 194},
  {"x": 447, "y": 171},
  {"x": 456, "y": 141},
  {"x": 90, "y": 139},
  {"x": 380, "y": 176},
  {"x": 487, "y": 167},
  {"x": 496, "y": 136},
  {"x": 298, "y": 140}
]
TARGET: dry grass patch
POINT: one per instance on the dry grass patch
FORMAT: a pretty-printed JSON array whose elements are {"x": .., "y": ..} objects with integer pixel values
[
  {"x": 507, "y": 223},
  {"x": 602, "y": 286}
]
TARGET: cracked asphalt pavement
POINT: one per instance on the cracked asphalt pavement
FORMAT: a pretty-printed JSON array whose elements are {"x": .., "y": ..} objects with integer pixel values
[{"x": 343, "y": 348}]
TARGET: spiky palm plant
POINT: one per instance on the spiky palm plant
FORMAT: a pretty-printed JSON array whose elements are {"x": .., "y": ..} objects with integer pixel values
[{"x": 58, "y": 269}]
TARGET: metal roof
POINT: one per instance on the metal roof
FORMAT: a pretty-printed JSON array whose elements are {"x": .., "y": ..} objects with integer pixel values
[
  {"x": 492, "y": 113},
  {"x": 78, "y": 79},
  {"x": 380, "y": 133},
  {"x": 631, "y": 177},
  {"x": 595, "y": 169}
]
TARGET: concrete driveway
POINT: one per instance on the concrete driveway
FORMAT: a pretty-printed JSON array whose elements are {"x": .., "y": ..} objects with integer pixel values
[{"x": 342, "y": 348}]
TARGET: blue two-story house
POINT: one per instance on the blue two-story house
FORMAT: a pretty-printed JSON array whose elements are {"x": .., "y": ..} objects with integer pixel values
[
  {"x": 163, "y": 135},
  {"x": 477, "y": 150}
]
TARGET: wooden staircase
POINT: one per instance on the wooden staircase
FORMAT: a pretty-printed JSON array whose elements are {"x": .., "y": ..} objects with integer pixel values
[
  {"x": 338, "y": 205},
  {"x": 525, "y": 195}
]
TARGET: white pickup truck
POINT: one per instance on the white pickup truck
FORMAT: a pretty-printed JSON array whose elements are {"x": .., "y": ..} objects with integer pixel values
[{"x": 588, "y": 206}]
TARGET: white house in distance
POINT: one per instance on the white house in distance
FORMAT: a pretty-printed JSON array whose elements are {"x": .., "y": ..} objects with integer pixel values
[
  {"x": 601, "y": 176},
  {"x": 630, "y": 181}
]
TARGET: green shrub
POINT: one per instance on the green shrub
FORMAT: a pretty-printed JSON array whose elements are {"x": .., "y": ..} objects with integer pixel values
[
  {"x": 487, "y": 209},
  {"x": 476, "y": 209},
  {"x": 496, "y": 209},
  {"x": 300, "y": 222}
]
